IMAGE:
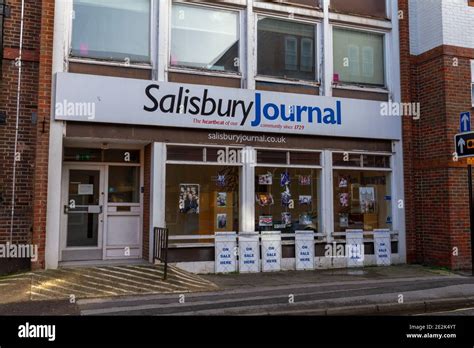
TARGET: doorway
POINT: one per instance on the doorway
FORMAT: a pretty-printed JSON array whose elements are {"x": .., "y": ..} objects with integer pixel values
[
  {"x": 83, "y": 218},
  {"x": 102, "y": 212}
]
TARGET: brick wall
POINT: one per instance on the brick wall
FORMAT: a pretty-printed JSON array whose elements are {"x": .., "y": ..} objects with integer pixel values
[
  {"x": 22, "y": 222},
  {"x": 42, "y": 131},
  {"x": 437, "y": 214}
]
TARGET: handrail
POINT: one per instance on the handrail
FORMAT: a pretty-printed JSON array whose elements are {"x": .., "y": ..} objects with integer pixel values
[{"x": 160, "y": 247}]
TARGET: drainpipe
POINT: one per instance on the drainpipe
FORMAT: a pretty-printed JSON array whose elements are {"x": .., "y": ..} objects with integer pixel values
[{"x": 18, "y": 63}]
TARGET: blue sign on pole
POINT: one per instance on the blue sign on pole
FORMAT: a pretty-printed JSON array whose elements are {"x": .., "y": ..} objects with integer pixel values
[{"x": 465, "y": 122}]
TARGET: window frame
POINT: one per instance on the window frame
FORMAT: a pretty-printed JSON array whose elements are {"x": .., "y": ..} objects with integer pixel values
[
  {"x": 472, "y": 78},
  {"x": 153, "y": 44},
  {"x": 386, "y": 60},
  {"x": 318, "y": 167},
  {"x": 204, "y": 162},
  {"x": 316, "y": 49},
  {"x": 389, "y": 170},
  {"x": 241, "y": 30}
]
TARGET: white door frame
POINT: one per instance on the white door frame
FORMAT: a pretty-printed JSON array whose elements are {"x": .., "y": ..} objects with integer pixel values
[{"x": 64, "y": 201}]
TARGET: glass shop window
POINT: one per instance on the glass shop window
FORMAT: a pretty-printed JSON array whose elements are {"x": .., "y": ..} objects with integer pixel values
[
  {"x": 204, "y": 38},
  {"x": 202, "y": 199},
  {"x": 359, "y": 57},
  {"x": 124, "y": 184},
  {"x": 117, "y": 30},
  {"x": 362, "y": 200},
  {"x": 286, "y": 49},
  {"x": 287, "y": 199}
]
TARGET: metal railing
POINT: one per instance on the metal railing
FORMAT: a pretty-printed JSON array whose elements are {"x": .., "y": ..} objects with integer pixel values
[{"x": 160, "y": 247}]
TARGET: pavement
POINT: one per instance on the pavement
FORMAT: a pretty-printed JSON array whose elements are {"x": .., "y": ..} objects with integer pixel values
[
  {"x": 64, "y": 286},
  {"x": 405, "y": 289}
]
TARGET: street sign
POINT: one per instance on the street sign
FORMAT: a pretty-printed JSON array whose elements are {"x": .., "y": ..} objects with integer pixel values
[
  {"x": 465, "y": 122},
  {"x": 464, "y": 143}
]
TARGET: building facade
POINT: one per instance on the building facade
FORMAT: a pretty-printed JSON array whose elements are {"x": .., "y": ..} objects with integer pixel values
[
  {"x": 207, "y": 117},
  {"x": 18, "y": 122},
  {"x": 437, "y": 51}
]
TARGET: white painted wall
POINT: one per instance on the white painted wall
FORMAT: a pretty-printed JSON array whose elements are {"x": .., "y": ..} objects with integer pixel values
[{"x": 440, "y": 22}]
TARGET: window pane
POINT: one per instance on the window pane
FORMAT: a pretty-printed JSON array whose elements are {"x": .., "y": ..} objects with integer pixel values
[
  {"x": 306, "y": 158},
  {"x": 287, "y": 199},
  {"x": 185, "y": 153},
  {"x": 112, "y": 29},
  {"x": 124, "y": 184},
  {"x": 286, "y": 49},
  {"x": 123, "y": 156},
  {"x": 358, "y": 57},
  {"x": 346, "y": 160},
  {"x": 272, "y": 157},
  {"x": 472, "y": 94},
  {"x": 204, "y": 38},
  {"x": 82, "y": 155},
  {"x": 201, "y": 199},
  {"x": 362, "y": 200},
  {"x": 375, "y": 161}
]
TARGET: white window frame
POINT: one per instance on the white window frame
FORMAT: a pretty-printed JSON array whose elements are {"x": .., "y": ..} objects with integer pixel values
[
  {"x": 393, "y": 209},
  {"x": 154, "y": 8},
  {"x": 316, "y": 50},
  {"x": 386, "y": 47},
  {"x": 197, "y": 237},
  {"x": 241, "y": 31},
  {"x": 322, "y": 211}
]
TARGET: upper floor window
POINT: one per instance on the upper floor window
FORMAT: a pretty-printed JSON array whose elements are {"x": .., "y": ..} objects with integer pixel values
[
  {"x": 204, "y": 38},
  {"x": 286, "y": 49},
  {"x": 472, "y": 82},
  {"x": 359, "y": 57},
  {"x": 112, "y": 30},
  {"x": 371, "y": 8}
]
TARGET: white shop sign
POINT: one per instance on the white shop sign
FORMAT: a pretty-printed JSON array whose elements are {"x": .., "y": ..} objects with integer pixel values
[
  {"x": 225, "y": 252},
  {"x": 249, "y": 253},
  {"x": 271, "y": 251},
  {"x": 355, "y": 248},
  {"x": 382, "y": 247},
  {"x": 90, "y": 98},
  {"x": 304, "y": 250}
]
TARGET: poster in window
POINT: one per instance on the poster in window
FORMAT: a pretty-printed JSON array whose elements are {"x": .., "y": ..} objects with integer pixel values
[
  {"x": 367, "y": 199},
  {"x": 221, "y": 199},
  {"x": 264, "y": 199},
  {"x": 285, "y": 179},
  {"x": 189, "y": 198},
  {"x": 342, "y": 182},
  {"x": 305, "y": 200},
  {"x": 286, "y": 197},
  {"x": 344, "y": 220},
  {"x": 344, "y": 199},
  {"x": 265, "y": 179},
  {"x": 265, "y": 221},
  {"x": 304, "y": 180},
  {"x": 221, "y": 221},
  {"x": 305, "y": 219},
  {"x": 286, "y": 218},
  {"x": 221, "y": 180}
]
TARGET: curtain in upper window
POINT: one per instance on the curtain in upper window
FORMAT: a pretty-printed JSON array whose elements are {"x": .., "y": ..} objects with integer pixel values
[
  {"x": 286, "y": 49},
  {"x": 359, "y": 57}
]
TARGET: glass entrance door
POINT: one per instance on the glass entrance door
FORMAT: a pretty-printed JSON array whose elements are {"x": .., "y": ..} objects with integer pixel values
[{"x": 83, "y": 210}]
